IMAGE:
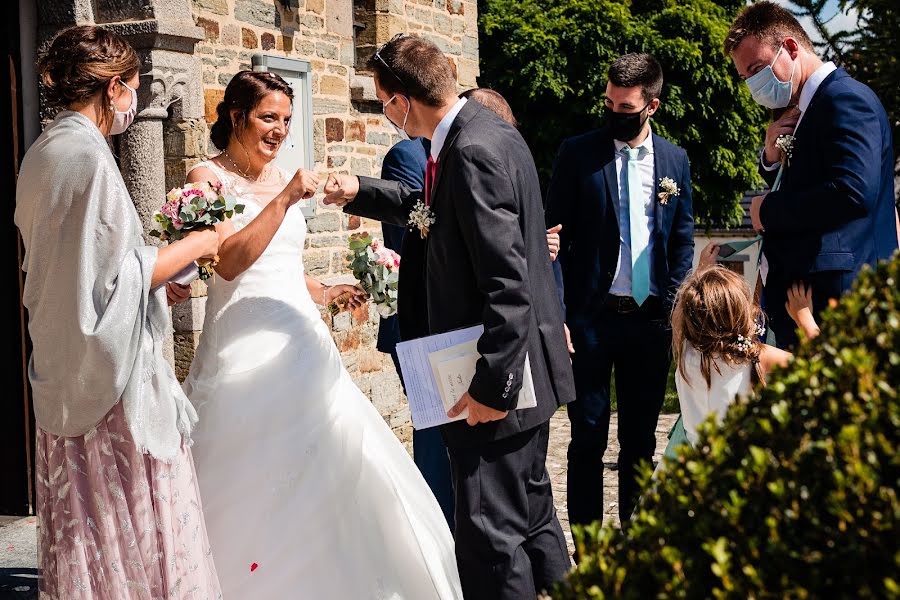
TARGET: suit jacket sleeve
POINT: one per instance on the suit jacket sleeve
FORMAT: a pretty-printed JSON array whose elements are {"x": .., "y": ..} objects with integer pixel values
[
  {"x": 559, "y": 210},
  {"x": 385, "y": 201},
  {"x": 844, "y": 189},
  {"x": 681, "y": 236},
  {"x": 488, "y": 213},
  {"x": 404, "y": 163}
]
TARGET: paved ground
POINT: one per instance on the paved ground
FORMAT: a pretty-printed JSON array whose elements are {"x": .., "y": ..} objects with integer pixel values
[{"x": 18, "y": 554}]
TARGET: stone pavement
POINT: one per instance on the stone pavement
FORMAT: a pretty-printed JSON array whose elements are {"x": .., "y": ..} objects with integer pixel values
[
  {"x": 18, "y": 552},
  {"x": 556, "y": 466}
]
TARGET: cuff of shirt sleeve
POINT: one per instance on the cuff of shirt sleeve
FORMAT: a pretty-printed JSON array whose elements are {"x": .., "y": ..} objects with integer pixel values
[{"x": 766, "y": 166}]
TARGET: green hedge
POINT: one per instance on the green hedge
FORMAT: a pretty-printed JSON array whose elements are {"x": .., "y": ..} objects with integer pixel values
[{"x": 793, "y": 496}]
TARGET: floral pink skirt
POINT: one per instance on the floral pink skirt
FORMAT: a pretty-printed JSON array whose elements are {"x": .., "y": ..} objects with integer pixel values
[{"x": 116, "y": 524}]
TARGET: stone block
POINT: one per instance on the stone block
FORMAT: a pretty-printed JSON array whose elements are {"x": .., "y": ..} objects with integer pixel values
[
  {"x": 379, "y": 139},
  {"x": 224, "y": 78},
  {"x": 316, "y": 6},
  {"x": 248, "y": 38},
  {"x": 310, "y": 21},
  {"x": 366, "y": 151},
  {"x": 231, "y": 34},
  {"x": 356, "y": 131},
  {"x": 267, "y": 41},
  {"x": 257, "y": 12},
  {"x": 220, "y": 7},
  {"x": 286, "y": 42},
  {"x": 336, "y": 161},
  {"x": 333, "y": 85},
  {"x": 211, "y": 99},
  {"x": 340, "y": 17},
  {"x": 185, "y": 347},
  {"x": 327, "y": 241},
  {"x": 456, "y": 7},
  {"x": 361, "y": 166},
  {"x": 468, "y": 73},
  {"x": 324, "y": 221},
  {"x": 189, "y": 315},
  {"x": 334, "y": 129},
  {"x": 352, "y": 223},
  {"x": 447, "y": 46},
  {"x": 305, "y": 48},
  {"x": 210, "y": 28},
  {"x": 327, "y": 51},
  {"x": 443, "y": 24},
  {"x": 470, "y": 48},
  {"x": 322, "y": 106},
  {"x": 317, "y": 262},
  {"x": 360, "y": 316}
]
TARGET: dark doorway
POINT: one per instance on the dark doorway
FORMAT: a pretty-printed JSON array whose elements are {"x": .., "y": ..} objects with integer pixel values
[{"x": 16, "y": 416}]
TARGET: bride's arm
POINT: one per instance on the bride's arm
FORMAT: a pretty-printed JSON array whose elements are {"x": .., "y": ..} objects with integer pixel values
[{"x": 239, "y": 250}]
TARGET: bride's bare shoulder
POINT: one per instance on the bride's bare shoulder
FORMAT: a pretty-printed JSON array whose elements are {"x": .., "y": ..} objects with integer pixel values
[{"x": 204, "y": 172}]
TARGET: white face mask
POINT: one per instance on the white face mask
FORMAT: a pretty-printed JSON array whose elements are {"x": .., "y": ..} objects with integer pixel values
[
  {"x": 401, "y": 129},
  {"x": 121, "y": 120},
  {"x": 768, "y": 90}
]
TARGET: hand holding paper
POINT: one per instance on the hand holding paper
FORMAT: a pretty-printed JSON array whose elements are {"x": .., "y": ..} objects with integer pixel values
[{"x": 478, "y": 413}]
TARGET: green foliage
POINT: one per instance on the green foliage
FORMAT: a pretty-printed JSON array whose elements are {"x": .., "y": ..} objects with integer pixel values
[
  {"x": 794, "y": 495},
  {"x": 550, "y": 57}
]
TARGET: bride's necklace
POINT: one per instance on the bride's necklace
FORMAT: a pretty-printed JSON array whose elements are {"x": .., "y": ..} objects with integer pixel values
[{"x": 241, "y": 171}]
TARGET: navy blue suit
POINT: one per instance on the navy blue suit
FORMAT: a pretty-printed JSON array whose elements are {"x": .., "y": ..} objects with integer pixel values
[
  {"x": 583, "y": 196},
  {"x": 834, "y": 211},
  {"x": 405, "y": 162}
]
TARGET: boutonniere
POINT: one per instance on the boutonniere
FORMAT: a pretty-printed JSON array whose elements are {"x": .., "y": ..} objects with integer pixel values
[
  {"x": 422, "y": 218},
  {"x": 785, "y": 143},
  {"x": 668, "y": 188}
]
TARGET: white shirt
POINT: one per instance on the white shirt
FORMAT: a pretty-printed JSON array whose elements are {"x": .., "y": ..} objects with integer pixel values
[
  {"x": 806, "y": 95},
  {"x": 621, "y": 285},
  {"x": 440, "y": 132}
]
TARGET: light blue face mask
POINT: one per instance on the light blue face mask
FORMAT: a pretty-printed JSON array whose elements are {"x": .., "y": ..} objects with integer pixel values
[{"x": 770, "y": 91}]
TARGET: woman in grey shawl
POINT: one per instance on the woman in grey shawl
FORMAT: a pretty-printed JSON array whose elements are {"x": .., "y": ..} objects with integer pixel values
[{"x": 118, "y": 507}]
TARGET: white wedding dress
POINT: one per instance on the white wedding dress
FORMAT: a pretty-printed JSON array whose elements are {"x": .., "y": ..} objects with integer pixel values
[{"x": 307, "y": 494}]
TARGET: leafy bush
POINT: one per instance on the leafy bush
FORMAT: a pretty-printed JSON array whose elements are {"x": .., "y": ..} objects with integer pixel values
[{"x": 794, "y": 495}]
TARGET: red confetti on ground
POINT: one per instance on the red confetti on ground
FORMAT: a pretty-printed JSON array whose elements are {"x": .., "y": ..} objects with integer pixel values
[{"x": 253, "y": 567}]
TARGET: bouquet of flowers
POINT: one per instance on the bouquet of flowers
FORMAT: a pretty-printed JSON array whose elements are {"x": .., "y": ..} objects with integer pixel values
[
  {"x": 190, "y": 207},
  {"x": 377, "y": 269}
]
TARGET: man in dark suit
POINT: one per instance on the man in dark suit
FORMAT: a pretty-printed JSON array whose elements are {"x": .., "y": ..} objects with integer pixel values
[
  {"x": 833, "y": 211},
  {"x": 405, "y": 162},
  {"x": 486, "y": 262},
  {"x": 624, "y": 251}
]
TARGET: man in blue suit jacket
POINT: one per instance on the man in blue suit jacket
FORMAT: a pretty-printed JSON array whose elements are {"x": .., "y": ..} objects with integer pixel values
[
  {"x": 833, "y": 211},
  {"x": 625, "y": 250},
  {"x": 405, "y": 162}
]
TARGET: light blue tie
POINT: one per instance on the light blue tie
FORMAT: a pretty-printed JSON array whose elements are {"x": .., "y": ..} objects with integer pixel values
[{"x": 640, "y": 234}]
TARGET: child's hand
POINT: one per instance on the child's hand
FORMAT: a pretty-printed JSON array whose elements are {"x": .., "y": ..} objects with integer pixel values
[
  {"x": 799, "y": 305},
  {"x": 708, "y": 256}
]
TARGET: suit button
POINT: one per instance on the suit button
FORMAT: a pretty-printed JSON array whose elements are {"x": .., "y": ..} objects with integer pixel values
[{"x": 505, "y": 394}]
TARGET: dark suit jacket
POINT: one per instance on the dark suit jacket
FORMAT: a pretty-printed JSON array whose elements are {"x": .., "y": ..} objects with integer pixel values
[
  {"x": 834, "y": 211},
  {"x": 405, "y": 162},
  {"x": 583, "y": 195},
  {"x": 487, "y": 262}
]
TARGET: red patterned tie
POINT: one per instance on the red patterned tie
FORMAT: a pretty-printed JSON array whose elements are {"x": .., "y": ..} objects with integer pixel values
[{"x": 430, "y": 171}]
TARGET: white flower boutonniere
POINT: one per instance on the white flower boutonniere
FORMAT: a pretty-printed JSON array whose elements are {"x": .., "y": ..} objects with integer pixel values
[
  {"x": 785, "y": 143},
  {"x": 422, "y": 218},
  {"x": 667, "y": 189}
]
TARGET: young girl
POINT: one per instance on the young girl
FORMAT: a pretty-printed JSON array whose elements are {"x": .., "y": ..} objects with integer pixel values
[{"x": 716, "y": 329}]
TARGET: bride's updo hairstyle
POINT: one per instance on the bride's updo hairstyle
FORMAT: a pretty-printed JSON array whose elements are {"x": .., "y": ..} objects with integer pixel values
[
  {"x": 244, "y": 92},
  {"x": 81, "y": 61}
]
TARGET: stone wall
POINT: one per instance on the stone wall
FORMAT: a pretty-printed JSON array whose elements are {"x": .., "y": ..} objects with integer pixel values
[{"x": 350, "y": 134}]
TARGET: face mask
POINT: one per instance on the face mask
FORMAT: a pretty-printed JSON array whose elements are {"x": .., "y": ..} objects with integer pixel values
[
  {"x": 770, "y": 91},
  {"x": 626, "y": 126},
  {"x": 400, "y": 129},
  {"x": 121, "y": 120}
]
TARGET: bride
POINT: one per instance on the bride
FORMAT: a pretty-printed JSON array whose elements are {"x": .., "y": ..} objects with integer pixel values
[{"x": 307, "y": 493}]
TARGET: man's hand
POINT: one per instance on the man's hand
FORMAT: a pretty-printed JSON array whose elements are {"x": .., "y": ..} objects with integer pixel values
[
  {"x": 568, "y": 339},
  {"x": 177, "y": 293},
  {"x": 478, "y": 413},
  {"x": 553, "y": 241},
  {"x": 783, "y": 126},
  {"x": 341, "y": 189},
  {"x": 755, "y": 207}
]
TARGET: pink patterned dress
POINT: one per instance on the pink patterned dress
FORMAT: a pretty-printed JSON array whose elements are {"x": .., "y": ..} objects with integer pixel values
[{"x": 116, "y": 524}]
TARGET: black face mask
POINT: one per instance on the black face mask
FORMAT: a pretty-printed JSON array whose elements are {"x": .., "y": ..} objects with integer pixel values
[{"x": 626, "y": 126}]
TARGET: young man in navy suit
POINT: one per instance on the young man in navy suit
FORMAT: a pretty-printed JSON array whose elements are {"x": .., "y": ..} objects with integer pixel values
[
  {"x": 833, "y": 211},
  {"x": 623, "y": 197}
]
